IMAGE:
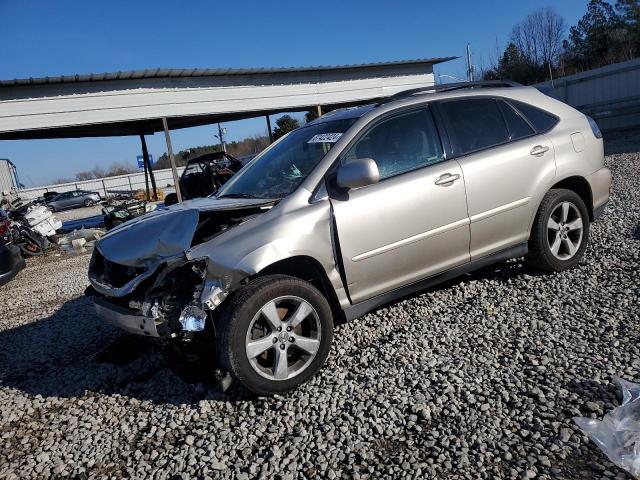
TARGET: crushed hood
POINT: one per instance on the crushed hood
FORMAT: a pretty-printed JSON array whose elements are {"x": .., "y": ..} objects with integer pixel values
[{"x": 164, "y": 233}]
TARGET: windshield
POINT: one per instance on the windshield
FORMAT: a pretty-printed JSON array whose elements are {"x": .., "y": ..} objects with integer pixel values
[{"x": 278, "y": 171}]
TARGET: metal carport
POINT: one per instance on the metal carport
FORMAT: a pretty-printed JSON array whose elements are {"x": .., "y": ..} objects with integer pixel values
[{"x": 146, "y": 101}]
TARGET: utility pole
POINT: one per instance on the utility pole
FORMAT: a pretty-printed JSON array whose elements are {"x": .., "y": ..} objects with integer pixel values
[
  {"x": 550, "y": 73},
  {"x": 469, "y": 64},
  {"x": 221, "y": 133}
]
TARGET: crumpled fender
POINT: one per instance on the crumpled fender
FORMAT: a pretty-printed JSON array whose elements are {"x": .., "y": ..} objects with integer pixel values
[{"x": 161, "y": 234}]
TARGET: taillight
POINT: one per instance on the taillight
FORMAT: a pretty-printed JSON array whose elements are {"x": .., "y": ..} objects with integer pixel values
[
  {"x": 594, "y": 127},
  {"x": 4, "y": 227}
]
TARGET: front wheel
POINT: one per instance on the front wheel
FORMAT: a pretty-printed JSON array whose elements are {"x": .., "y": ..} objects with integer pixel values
[
  {"x": 275, "y": 334},
  {"x": 88, "y": 202},
  {"x": 560, "y": 231}
]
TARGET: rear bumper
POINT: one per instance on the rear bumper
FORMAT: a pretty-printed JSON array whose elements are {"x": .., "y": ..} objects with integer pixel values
[
  {"x": 11, "y": 262},
  {"x": 600, "y": 182},
  {"x": 124, "y": 319}
]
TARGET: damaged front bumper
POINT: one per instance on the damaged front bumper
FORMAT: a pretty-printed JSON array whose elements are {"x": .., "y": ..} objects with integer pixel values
[
  {"x": 156, "y": 275},
  {"x": 125, "y": 319},
  {"x": 170, "y": 299}
]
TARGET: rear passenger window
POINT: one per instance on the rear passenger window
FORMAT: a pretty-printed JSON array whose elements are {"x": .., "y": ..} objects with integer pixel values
[
  {"x": 518, "y": 127},
  {"x": 475, "y": 124},
  {"x": 400, "y": 144},
  {"x": 541, "y": 120}
]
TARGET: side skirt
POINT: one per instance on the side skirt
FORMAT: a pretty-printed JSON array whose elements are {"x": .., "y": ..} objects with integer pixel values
[{"x": 359, "y": 309}]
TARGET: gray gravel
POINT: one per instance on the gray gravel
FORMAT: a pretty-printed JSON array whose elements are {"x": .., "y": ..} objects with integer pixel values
[
  {"x": 478, "y": 378},
  {"x": 78, "y": 213}
]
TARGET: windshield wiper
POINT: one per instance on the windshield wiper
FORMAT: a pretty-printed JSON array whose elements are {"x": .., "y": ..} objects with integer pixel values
[{"x": 238, "y": 195}]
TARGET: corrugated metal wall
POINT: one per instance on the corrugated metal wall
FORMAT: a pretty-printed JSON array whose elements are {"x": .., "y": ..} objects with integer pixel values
[
  {"x": 7, "y": 176},
  {"x": 611, "y": 94},
  {"x": 131, "y": 182}
]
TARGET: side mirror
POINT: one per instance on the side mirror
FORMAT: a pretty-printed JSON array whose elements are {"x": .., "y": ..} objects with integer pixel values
[{"x": 358, "y": 173}]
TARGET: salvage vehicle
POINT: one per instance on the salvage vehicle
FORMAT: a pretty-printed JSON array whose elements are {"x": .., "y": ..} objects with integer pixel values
[
  {"x": 37, "y": 217},
  {"x": 116, "y": 212},
  {"x": 352, "y": 211},
  {"x": 204, "y": 175},
  {"x": 74, "y": 199},
  {"x": 11, "y": 261},
  {"x": 32, "y": 226}
]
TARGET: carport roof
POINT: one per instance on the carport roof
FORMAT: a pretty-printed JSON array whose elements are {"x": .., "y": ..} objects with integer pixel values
[
  {"x": 205, "y": 72},
  {"x": 135, "y": 102}
]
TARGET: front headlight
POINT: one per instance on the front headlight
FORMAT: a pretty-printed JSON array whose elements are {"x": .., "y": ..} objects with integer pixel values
[{"x": 193, "y": 318}]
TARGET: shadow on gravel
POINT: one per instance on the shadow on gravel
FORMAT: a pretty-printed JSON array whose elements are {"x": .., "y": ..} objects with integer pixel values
[
  {"x": 73, "y": 353},
  {"x": 622, "y": 141},
  {"x": 501, "y": 272}
]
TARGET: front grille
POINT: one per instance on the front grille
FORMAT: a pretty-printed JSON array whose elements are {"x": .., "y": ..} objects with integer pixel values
[{"x": 111, "y": 273}]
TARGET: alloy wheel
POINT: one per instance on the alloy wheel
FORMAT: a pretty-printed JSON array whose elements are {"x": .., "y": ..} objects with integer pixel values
[
  {"x": 283, "y": 338},
  {"x": 564, "y": 231}
]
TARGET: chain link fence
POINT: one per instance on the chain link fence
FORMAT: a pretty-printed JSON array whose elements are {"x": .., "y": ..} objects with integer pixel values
[{"x": 109, "y": 186}]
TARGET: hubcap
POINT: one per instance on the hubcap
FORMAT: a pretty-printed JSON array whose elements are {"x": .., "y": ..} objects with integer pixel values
[
  {"x": 283, "y": 338},
  {"x": 564, "y": 231}
]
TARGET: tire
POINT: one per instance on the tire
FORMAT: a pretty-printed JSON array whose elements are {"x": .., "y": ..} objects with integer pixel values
[
  {"x": 242, "y": 322},
  {"x": 88, "y": 202},
  {"x": 557, "y": 249},
  {"x": 31, "y": 244},
  {"x": 171, "y": 199}
]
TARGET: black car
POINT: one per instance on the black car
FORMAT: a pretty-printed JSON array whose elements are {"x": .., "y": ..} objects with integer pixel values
[
  {"x": 11, "y": 261},
  {"x": 204, "y": 175},
  {"x": 47, "y": 197}
]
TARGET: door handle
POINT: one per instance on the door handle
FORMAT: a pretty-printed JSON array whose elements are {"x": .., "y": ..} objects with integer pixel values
[
  {"x": 446, "y": 179},
  {"x": 539, "y": 150}
]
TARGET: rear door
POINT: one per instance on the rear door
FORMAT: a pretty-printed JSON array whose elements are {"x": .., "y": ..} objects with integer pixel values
[
  {"x": 413, "y": 223},
  {"x": 504, "y": 162}
]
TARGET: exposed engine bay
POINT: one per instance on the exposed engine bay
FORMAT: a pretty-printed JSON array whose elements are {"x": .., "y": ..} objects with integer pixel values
[{"x": 152, "y": 285}]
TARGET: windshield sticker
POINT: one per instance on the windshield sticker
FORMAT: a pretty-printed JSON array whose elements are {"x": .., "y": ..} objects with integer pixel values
[{"x": 325, "y": 138}]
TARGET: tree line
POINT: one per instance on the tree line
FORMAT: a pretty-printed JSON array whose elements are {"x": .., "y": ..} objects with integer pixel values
[
  {"x": 540, "y": 47},
  {"x": 247, "y": 146}
]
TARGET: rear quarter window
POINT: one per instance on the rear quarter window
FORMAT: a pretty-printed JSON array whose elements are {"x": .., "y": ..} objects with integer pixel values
[
  {"x": 542, "y": 121},
  {"x": 518, "y": 126}
]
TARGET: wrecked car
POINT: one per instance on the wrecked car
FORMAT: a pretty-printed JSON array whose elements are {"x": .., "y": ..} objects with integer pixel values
[
  {"x": 115, "y": 212},
  {"x": 11, "y": 261},
  {"x": 355, "y": 209},
  {"x": 204, "y": 175}
]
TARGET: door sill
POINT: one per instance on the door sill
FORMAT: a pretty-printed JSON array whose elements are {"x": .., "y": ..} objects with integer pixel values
[{"x": 359, "y": 309}]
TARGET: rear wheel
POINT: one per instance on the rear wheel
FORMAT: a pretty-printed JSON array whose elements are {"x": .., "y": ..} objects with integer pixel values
[
  {"x": 560, "y": 231},
  {"x": 275, "y": 334}
]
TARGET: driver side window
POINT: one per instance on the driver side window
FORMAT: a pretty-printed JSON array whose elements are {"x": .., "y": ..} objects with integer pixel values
[{"x": 399, "y": 144}]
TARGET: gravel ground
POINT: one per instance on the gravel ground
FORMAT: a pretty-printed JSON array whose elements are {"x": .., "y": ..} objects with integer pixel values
[
  {"x": 79, "y": 213},
  {"x": 479, "y": 378}
]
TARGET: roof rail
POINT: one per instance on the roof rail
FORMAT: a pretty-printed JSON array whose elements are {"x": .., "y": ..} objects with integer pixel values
[{"x": 446, "y": 87}]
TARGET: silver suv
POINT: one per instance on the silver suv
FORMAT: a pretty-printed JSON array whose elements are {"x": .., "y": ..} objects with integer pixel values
[{"x": 351, "y": 211}]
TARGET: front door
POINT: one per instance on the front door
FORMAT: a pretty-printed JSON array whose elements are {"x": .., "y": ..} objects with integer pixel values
[{"x": 414, "y": 222}]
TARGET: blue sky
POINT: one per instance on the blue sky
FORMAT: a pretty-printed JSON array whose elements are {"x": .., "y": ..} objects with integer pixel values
[{"x": 40, "y": 38}]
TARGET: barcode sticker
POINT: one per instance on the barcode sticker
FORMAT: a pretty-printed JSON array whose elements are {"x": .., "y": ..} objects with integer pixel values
[{"x": 325, "y": 138}]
